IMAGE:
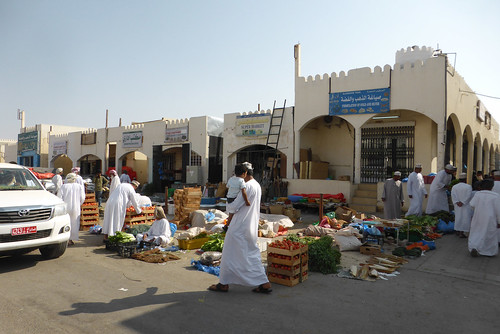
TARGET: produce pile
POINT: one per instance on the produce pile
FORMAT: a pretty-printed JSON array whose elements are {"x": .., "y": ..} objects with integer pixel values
[
  {"x": 121, "y": 237},
  {"x": 216, "y": 243},
  {"x": 323, "y": 257}
]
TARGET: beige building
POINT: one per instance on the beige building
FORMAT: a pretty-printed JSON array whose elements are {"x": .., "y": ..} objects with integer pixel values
[
  {"x": 161, "y": 152},
  {"x": 246, "y": 139},
  {"x": 369, "y": 123},
  {"x": 8, "y": 150}
]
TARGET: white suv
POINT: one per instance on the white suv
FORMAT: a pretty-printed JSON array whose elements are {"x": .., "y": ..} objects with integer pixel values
[{"x": 30, "y": 216}]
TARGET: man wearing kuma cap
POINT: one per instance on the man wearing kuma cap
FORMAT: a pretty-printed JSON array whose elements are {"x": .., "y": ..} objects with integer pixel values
[
  {"x": 438, "y": 198},
  {"x": 392, "y": 196},
  {"x": 416, "y": 191}
]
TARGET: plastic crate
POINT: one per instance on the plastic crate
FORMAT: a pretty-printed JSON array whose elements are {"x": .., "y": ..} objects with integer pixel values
[{"x": 193, "y": 243}]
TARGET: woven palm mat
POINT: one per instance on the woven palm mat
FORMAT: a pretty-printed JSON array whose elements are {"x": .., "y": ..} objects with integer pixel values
[{"x": 155, "y": 256}]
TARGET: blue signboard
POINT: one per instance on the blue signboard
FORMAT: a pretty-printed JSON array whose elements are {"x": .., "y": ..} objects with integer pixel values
[{"x": 372, "y": 101}]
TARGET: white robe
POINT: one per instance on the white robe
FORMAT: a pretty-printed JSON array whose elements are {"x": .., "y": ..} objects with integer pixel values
[
  {"x": 116, "y": 208},
  {"x": 483, "y": 234},
  {"x": 393, "y": 195},
  {"x": 58, "y": 182},
  {"x": 241, "y": 261},
  {"x": 115, "y": 182},
  {"x": 416, "y": 189},
  {"x": 159, "y": 233},
  {"x": 73, "y": 194},
  {"x": 462, "y": 192},
  {"x": 496, "y": 188},
  {"x": 79, "y": 180},
  {"x": 438, "y": 199}
]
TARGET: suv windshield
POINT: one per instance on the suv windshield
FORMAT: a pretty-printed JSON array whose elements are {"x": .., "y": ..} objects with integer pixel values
[{"x": 18, "y": 179}]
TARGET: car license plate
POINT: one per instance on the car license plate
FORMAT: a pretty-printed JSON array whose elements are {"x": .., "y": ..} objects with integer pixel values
[{"x": 23, "y": 230}]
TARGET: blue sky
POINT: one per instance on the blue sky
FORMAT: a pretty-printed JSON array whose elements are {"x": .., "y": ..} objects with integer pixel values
[{"x": 66, "y": 62}]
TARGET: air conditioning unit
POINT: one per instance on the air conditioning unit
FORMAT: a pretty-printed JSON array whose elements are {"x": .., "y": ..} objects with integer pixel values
[{"x": 194, "y": 175}]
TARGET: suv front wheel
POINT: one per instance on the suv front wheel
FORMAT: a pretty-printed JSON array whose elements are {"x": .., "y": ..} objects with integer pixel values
[{"x": 53, "y": 251}]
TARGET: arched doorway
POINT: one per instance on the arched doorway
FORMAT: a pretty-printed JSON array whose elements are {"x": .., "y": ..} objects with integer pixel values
[
  {"x": 467, "y": 152},
  {"x": 62, "y": 161},
  {"x": 89, "y": 164},
  {"x": 262, "y": 159},
  {"x": 329, "y": 139},
  {"x": 138, "y": 162}
]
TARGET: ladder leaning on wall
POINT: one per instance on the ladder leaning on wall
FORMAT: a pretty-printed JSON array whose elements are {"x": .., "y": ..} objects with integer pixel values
[{"x": 271, "y": 152}]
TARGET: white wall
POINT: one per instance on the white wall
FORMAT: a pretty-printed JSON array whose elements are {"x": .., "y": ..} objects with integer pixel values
[
  {"x": 234, "y": 143},
  {"x": 153, "y": 134}
]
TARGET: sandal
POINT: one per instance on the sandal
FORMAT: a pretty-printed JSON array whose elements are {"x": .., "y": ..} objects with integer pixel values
[
  {"x": 261, "y": 289},
  {"x": 218, "y": 287}
]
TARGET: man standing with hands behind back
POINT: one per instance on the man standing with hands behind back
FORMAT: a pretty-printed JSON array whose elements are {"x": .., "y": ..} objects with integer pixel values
[{"x": 392, "y": 197}]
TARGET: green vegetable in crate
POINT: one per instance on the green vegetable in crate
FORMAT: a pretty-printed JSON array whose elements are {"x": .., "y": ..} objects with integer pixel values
[
  {"x": 322, "y": 257},
  {"x": 121, "y": 237},
  {"x": 216, "y": 243}
]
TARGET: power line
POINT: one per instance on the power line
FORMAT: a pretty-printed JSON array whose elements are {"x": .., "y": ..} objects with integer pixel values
[{"x": 491, "y": 97}]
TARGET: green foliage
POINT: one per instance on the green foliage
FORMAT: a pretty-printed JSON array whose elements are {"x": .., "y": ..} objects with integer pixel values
[
  {"x": 121, "y": 237},
  {"x": 216, "y": 243},
  {"x": 322, "y": 257}
]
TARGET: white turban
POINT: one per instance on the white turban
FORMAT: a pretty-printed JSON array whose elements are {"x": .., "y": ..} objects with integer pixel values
[
  {"x": 397, "y": 173},
  {"x": 71, "y": 178},
  {"x": 59, "y": 170},
  {"x": 449, "y": 167},
  {"x": 462, "y": 176}
]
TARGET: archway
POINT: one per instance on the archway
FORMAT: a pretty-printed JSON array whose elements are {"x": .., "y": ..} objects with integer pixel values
[
  {"x": 478, "y": 153},
  {"x": 453, "y": 138},
  {"x": 138, "y": 162},
  {"x": 262, "y": 159},
  {"x": 329, "y": 139},
  {"x": 486, "y": 157},
  {"x": 62, "y": 161},
  {"x": 89, "y": 164},
  {"x": 467, "y": 152}
]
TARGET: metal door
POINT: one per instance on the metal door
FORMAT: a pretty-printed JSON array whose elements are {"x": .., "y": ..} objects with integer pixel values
[{"x": 385, "y": 150}]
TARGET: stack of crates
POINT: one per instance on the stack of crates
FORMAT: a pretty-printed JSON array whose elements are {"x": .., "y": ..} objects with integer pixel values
[
  {"x": 147, "y": 216},
  {"x": 89, "y": 212},
  {"x": 186, "y": 201},
  {"x": 287, "y": 267}
]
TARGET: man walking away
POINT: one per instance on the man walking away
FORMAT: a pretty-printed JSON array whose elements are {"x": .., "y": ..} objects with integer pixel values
[
  {"x": 483, "y": 237},
  {"x": 461, "y": 194}
]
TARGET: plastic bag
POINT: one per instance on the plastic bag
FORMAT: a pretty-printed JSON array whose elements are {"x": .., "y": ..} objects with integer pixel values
[
  {"x": 347, "y": 243},
  {"x": 210, "y": 258}
]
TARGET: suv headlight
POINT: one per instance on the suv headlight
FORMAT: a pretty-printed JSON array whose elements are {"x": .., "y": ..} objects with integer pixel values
[{"x": 60, "y": 209}]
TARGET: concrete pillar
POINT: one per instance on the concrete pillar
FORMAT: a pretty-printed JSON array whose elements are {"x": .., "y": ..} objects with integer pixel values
[
  {"x": 357, "y": 155},
  {"x": 458, "y": 152}
]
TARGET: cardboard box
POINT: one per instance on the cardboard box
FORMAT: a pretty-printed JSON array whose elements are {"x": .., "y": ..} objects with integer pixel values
[
  {"x": 318, "y": 170},
  {"x": 304, "y": 169},
  {"x": 292, "y": 213},
  {"x": 344, "y": 178},
  {"x": 345, "y": 213},
  {"x": 276, "y": 209},
  {"x": 360, "y": 215},
  {"x": 369, "y": 249},
  {"x": 305, "y": 154}
]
